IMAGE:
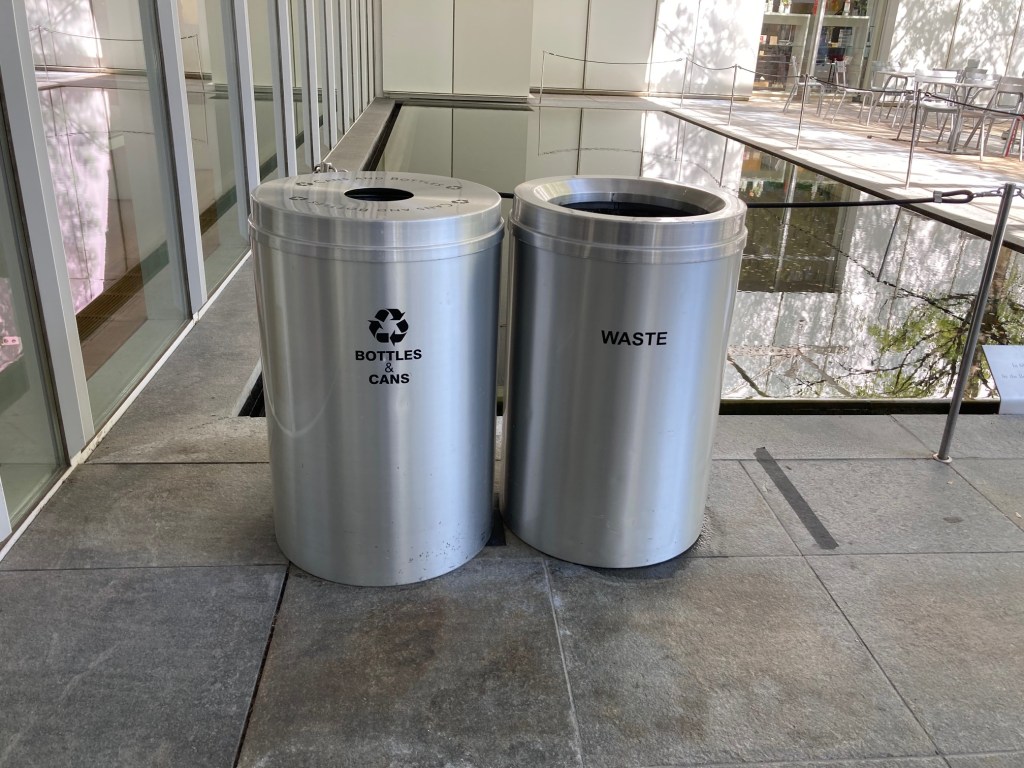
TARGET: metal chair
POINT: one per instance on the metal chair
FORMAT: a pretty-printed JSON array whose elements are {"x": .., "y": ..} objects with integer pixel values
[
  {"x": 892, "y": 92},
  {"x": 842, "y": 90},
  {"x": 931, "y": 105},
  {"x": 1006, "y": 103},
  {"x": 807, "y": 82}
]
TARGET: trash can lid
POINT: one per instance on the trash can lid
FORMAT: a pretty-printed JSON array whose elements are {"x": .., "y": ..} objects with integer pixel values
[
  {"x": 375, "y": 215},
  {"x": 629, "y": 219}
]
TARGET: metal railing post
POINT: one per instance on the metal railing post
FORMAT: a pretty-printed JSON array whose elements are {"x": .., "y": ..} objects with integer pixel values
[
  {"x": 913, "y": 141},
  {"x": 543, "y": 61},
  {"x": 732, "y": 95},
  {"x": 803, "y": 104},
  {"x": 977, "y": 313},
  {"x": 686, "y": 75}
]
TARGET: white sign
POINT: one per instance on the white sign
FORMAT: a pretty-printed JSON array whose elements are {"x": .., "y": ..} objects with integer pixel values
[{"x": 1007, "y": 364}]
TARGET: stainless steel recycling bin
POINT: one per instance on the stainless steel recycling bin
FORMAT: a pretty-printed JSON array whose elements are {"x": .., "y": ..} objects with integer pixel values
[
  {"x": 377, "y": 296},
  {"x": 622, "y": 291}
]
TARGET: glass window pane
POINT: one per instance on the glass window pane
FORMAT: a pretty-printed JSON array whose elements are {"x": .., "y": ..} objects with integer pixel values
[
  {"x": 324, "y": 95},
  {"x": 105, "y": 126},
  {"x": 298, "y": 22},
  {"x": 30, "y": 451},
  {"x": 221, "y": 219},
  {"x": 261, "y": 48}
]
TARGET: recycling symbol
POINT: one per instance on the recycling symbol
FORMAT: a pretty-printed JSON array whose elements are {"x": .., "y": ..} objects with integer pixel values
[{"x": 389, "y": 325}]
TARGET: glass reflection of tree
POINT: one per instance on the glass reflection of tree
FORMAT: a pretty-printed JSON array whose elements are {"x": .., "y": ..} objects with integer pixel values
[
  {"x": 925, "y": 349},
  {"x": 77, "y": 125}
]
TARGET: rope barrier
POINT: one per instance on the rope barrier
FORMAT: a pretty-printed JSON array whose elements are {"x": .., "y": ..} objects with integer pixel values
[
  {"x": 949, "y": 197},
  {"x": 978, "y": 107},
  {"x": 628, "y": 63},
  {"x": 40, "y": 28}
]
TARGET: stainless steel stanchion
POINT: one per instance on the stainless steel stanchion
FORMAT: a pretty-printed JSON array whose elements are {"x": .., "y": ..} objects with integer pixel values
[
  {"x": 377, "y": 296},
  {"x": 977, "y": 314},
  {"x": 623, "y": 290}
]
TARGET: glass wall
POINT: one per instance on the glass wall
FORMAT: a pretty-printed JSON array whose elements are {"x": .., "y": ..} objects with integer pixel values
[
  {"x": 785, "y": 41},
  {"x": 112, "y": 128},
  {"x": 221, "y": 219},
  {"x": 298, "y": 19},
  {"x": 327, "y": 45},
  {"x": 261, "y": 47},
  {"x": 31, "y": 453},
  {"x": 101, "y": 94}
]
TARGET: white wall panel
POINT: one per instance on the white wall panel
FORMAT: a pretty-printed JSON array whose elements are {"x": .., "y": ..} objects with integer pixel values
[
  {"x": 719, "y": 34},
  {"x": 921, "y": 35},
  {"x": 492, "y": 47},
  {"x": 727, "y": 34},
  {"x": 559, "y": 26},
  {"x": 673, "y": 40},
  {"x": 985, "y": 32},
  {"x": 619, "y": 32},
  {"x": 418, "y": 45}
]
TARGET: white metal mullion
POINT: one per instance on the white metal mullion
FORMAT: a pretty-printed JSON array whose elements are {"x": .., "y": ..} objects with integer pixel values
[
  {"x": 378, "y": 59},
  {"x": 42, "y": 227},
  {"x": 331, "y": 85},
  {"x": 164, "y": 56},
  {"x": 241, "y": 105},
  {"x": 5, "y": 518},
  {"x": 310, "y": 111},
  {"x": 357, "y": 77},
  {"x": 345, "y": 35},
  {"x": 281, "y": 74},
  {"x": 368, "y": 22},
  {"x": 364, "y": 66}
]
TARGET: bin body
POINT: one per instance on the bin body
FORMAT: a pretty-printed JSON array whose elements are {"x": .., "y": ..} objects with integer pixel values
[
  {"x": 619, "y": 330},
  {"x": 378, "y": 323}
]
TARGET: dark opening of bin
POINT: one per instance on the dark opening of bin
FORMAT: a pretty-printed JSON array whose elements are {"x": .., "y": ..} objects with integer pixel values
[
  {"x": 636, "y": 208},
  {"x": 379, "y": 194}
]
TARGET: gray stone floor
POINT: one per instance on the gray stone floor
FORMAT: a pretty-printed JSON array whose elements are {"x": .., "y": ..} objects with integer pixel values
[{"x": 851, "y": 604}]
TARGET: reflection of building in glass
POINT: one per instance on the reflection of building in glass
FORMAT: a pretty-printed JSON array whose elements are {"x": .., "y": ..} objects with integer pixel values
[
  {"x": 10, "y": 339},
  {"x": 79, "y": 145}
]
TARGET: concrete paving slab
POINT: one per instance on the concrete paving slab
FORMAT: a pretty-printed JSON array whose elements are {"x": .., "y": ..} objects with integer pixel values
[
  {"x": 1004, "y": 760},
  {"x": 1000, "y": 480},
  {"x": 137, "y": 667},
  {"x": 815, "y": 437},
  {"x": 722, "y": 661},
  {"x": 463, "y": 670},
  {"x": 947, "y": 631},
  {"x": 978, "y": 436},
  {"x": 139, "y": 515},
  {"x": 184, "y": 439},
  {"x": 897, "y": 762},
  {"x": 872, "y": 506},
  {"x": 739, "y": 521},
  {"x": 188, "y": 412}
]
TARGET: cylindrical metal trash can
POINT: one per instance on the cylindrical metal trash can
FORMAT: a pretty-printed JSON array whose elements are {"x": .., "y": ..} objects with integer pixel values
[
  {"x": 622, "y": 294},
  {"x": 377, "y": 296}
]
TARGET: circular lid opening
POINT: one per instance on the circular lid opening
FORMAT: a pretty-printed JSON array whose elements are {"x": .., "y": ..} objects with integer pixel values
[
  {"x": 379, "y": 194},
  {"x": 636, "y": 208}
]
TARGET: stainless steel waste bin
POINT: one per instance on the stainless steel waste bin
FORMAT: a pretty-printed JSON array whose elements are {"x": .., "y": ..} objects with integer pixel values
[
  {"x": 622, "y": 291},
  {"x": 377, "y": 296}
]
